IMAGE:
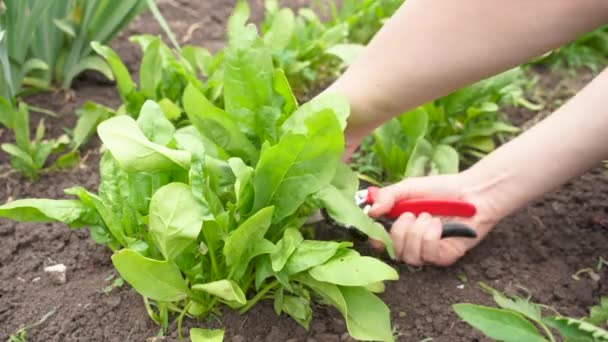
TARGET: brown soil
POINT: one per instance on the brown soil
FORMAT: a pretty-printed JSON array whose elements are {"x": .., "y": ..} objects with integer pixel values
[{"x": 538, "y": 248}]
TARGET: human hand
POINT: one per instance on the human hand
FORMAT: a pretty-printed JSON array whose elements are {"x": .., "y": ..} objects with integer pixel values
[{"x": 417, "y": 240}]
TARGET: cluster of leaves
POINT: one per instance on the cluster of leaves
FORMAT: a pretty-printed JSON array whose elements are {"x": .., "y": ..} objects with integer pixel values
[
  {"x": 164, "y": 75},
  {"x": 435, "y": 137},
  {"x": 29, "y": 156},
  {"x": 210, "y": 212},
  {"x": 49, "y": 40},
  {"x": 44, "y": 42},
  {"x": 590, "y": 51},
  {"x": 311, "y": 52},
  {"x": 364, "y": 18},
  {"x": 518, "y": 319}
]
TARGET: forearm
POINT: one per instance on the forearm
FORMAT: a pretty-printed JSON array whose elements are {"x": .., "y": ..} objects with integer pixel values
[
  {"x": 432, "y": 47},
  {"x": 566, "y": 144}
]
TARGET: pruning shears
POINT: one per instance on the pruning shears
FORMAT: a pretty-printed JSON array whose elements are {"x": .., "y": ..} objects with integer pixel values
[{"x": 433, "y": 206}]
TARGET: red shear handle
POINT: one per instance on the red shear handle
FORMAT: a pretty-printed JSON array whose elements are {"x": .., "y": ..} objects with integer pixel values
[{"x": 436, "y": 207}]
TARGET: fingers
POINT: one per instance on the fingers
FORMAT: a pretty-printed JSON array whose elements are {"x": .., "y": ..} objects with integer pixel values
[
  {"x": 399, "y": 231},
  {"x": 417, "y": 241}
]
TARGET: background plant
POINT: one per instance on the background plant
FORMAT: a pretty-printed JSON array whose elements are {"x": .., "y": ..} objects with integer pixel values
[
  {"x": 210, "y": 212},
  {"x": 518, "y": 319},
  {"x": 50, "y": 40},
  {"x": 589, "y": 51},
  {"x": 437, "y": 137},
  {"x": 312, "y": 52}
]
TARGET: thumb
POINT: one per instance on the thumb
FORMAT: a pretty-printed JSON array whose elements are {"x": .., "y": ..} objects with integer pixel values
[{"x": 419, "y": 187}]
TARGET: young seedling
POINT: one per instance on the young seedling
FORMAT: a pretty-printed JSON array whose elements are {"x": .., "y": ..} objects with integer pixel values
[{"x": 518, "y": 319}]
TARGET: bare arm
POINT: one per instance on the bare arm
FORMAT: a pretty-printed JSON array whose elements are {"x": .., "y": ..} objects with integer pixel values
[
  {"x": 432, "y": 47},
  {"x": 566, "y": 144}
]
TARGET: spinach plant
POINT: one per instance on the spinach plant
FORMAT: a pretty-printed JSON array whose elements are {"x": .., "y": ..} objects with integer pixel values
[
  {"x": 311, "y": 52},
  {"x": 462, "y": 126},
  {"x": 364, "y": 18},
  {"x": 29, "y": 156},
  {"x": 589, "y": 51},
  {"x": 209, "y": 213},
  {"x": 164, "y": 74},
  {"x": 518, "y": 319}
]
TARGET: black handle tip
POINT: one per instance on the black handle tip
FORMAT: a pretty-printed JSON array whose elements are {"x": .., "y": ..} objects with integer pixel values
[{"x": 456, "y": 229}]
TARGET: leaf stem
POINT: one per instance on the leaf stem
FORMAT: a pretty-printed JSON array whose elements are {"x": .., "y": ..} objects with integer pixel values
[
  {"x": 258, "y": 296},
  {"x": 547, "y": 332},
  {"x": 180, "y": 318},
  {"x": 150, "y": 311}
]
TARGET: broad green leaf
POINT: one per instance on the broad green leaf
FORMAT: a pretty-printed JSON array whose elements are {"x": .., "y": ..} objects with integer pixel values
[
  {"x": 149, "y": 70},
  {"x": 188, "y": 138},
  {"x": 134, "y": 151},
  {"x": 344, "y": 210},
  {"x": 346, "y": 180},
  {"x": 242, "y": 187},
  {"x": 206, "y": 335},
  {"x": 281, "y": 30},
  {"x": 499, "y": 324},
  {"x": 367, "y": 317},
  {"x": 599, "y": 313},
  {"x": 445, "y": 160},
  {"x": 176, "y": 219},
  {"x": 17, "y": 152},
  {"x": 70, "y": 212},
  {"x": 110, "y": 217},
  {"x": 158, "y": 280},
  {"x": 240, "y": 246},
  {"x": 248, "y": 80},
  {"x": 225, "y": 289},
  {"x": 577, "y": 330},
  {"x": 217, "y": 125},
  {"x": 298, "y": 166},
  {"x": 199, "y": 58},
  {"x": 311, "y": 253},
  {"x": 88, "y": 63},
  {"x": 238, "y": 18},
  {"x": 281, "y": 86},
  {"x": 292, "y": 238},
  {"x": 352, "y": 269},
  {"x": 298, "y": 308},
  {"x": 121, "y": 73},
  {"x": 90, "y": 115},
  {"x": 154, "y": 125},
  {"x": 338, "y": 104},
  {"x": 348, "y": 53},
  {"x": 483, "y": 144},
  {"x": 170, "y": 109},
  {"x": 527, "y": 309}
]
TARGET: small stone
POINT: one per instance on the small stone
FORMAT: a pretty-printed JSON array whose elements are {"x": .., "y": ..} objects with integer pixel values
[
  {"x": 57, "y": 273},
  {"x": 460, "y": 287}
]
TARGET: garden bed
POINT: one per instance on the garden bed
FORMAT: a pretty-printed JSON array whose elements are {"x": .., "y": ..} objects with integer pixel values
[{"x": 539, "y": 248}]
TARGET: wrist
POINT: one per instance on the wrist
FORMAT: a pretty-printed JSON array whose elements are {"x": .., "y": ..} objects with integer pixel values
[{"x": 489, "y": 192}]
